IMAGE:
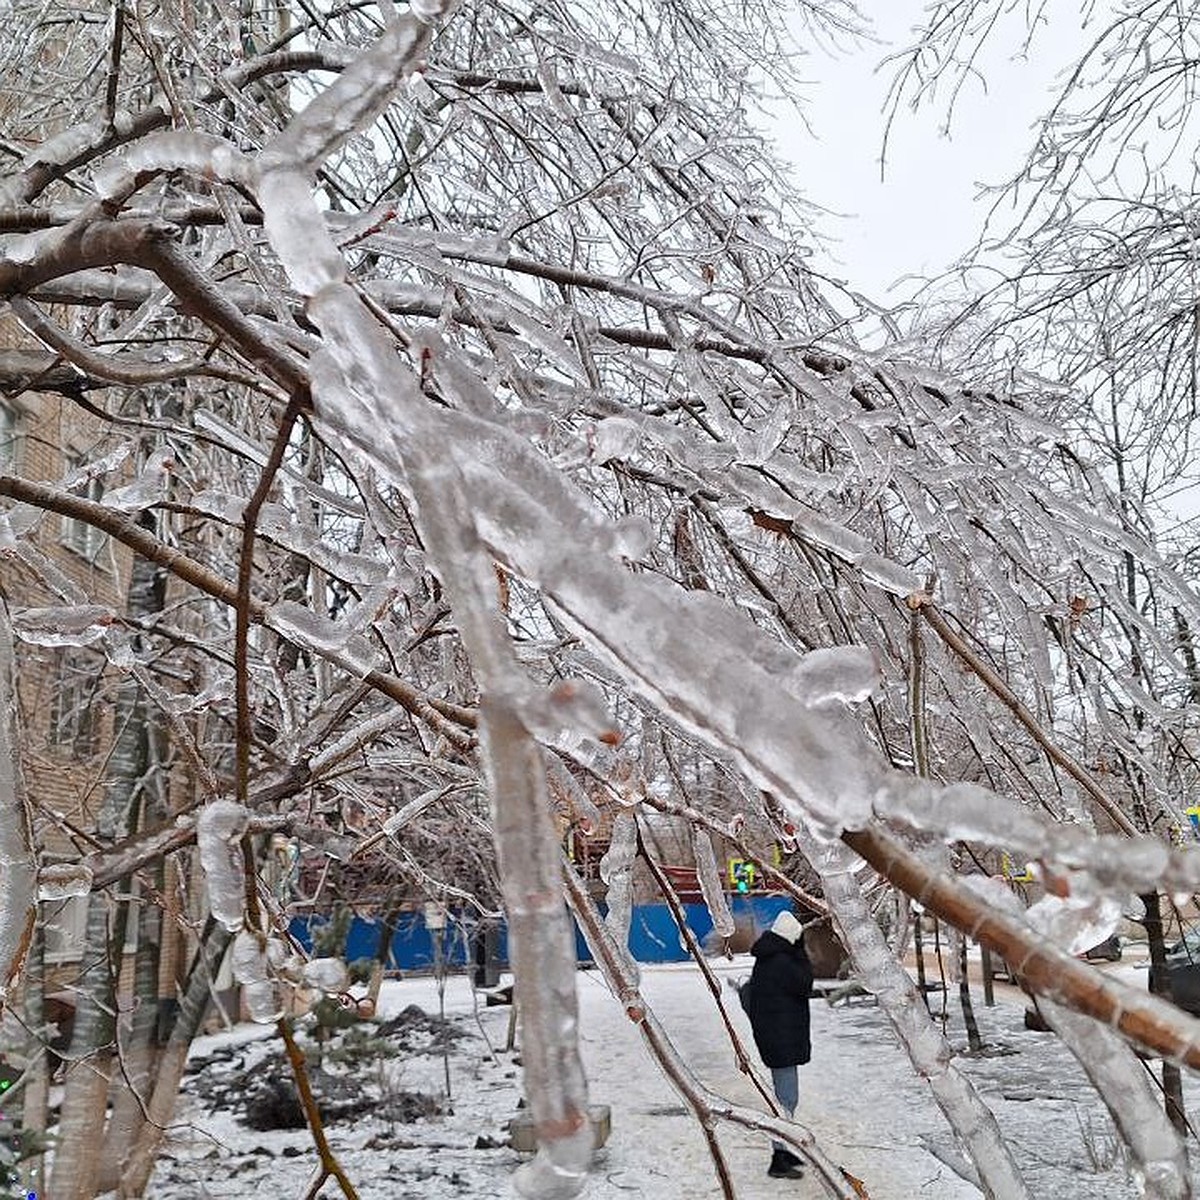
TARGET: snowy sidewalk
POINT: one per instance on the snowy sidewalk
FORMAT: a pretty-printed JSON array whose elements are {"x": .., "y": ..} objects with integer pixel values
[{"x": 859, "y": 1098}]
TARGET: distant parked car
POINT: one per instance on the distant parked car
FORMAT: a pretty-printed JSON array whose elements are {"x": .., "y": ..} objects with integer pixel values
[{"x": 1183, "y": 972}]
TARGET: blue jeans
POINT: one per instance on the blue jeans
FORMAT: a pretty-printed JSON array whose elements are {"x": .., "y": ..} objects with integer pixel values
[{"x": 786, "y": 1082}]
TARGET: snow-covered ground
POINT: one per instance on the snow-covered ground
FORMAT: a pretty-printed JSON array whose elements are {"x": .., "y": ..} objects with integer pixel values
[{"x": 859, "y": 1099}]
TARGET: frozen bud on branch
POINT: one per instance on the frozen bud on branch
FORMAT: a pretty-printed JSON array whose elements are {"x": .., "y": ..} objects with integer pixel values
[
  {"x": 326, "y": 975},
  {"x": 572, "y": 708},
  {"x": 252, "y": 969}
]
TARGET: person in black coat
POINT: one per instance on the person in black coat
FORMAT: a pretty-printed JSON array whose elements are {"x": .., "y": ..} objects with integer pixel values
[{"x": 776, "y": 1001}]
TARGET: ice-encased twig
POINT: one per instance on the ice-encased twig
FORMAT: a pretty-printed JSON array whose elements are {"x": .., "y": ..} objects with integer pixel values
[
  {"x": 1159, "y": 1157},
  {"x": 616, "y": 872},
  {"x": 17, "y": 866},
  {"x": 251, "y": 965},
  {"x": 709, "y": 875},
  {"x": 971, "y": 1120}
]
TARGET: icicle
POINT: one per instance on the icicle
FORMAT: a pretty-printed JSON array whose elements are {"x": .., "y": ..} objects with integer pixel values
[
  {"x": 147, "y": 489},
  {"x": 76, "y": 625},
  {"x": 847, "y": 673},
  {"x": 219, "y": 830},
  {"x": 563, "y": 784},
  {"x": 615, "y": 438},
  {"x": 542, "y": 948},
  {"x": 709, "y": 875},
  {"x": 297, "y": 231},
  {"x": 336, "y": 642},
  {"x": 541, "y": 943},
  {"x": 1075, "y": 922}
]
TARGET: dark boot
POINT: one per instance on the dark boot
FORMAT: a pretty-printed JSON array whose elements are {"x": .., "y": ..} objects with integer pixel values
[{"x": 785, "y": 1165}]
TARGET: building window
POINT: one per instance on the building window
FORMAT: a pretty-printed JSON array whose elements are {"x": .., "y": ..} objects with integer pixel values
[
  {"x": 75, "y": 702},
  {"x": 65, "y": 924},
  {"x": 66, "y": 928},
  {"x": 78, "y": 535},
  {"x": 8, "y": 437}
]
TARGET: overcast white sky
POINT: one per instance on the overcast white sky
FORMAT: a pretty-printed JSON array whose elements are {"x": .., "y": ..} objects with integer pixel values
[{"x": 924, "y": 213}]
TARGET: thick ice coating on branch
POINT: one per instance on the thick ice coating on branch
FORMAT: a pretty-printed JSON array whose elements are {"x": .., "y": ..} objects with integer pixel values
[
  {"x": 541, "y": 945},
  {"x": 326, "y": 974},
  {"x": 219, "y": 830},
  {"x": 1160, "y": 1160},
  {"x": 61, "y": 881},
  {"x": 74, "y": 625},
  {"x": 351, "y": 102},
  {"x": 616, "y": 872},
  {"x": 968, "y": 812}
]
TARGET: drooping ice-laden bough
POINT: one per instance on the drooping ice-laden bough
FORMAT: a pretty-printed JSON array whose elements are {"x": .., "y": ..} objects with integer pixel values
[
  {"x": 693, "y": 656},
  {"x": 924, "y": 1043}
]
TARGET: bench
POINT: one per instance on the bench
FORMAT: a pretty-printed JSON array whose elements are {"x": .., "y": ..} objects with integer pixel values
[{"x": 841, "y": 991}]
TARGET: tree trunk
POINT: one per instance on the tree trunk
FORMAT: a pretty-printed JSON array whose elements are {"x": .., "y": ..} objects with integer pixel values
[
  {"x": 139, "y": 1163},
  {"x": 974, "y": 1041},
  {"x": 1160, "y": 984},
  {"x": 91, "y": 1058},
  {"x": 139, "y": 1053},
  {"x": 89, "y": 1065},
  {"x": 37, "y": 1090},
  {"x": 383, "y": 949}
]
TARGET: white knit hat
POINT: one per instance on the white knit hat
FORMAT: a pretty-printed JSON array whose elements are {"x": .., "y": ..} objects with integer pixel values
[{"x": 787, "y": 927}]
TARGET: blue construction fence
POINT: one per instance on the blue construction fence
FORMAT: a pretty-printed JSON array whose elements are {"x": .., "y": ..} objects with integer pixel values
[{"x": 653, "y": 937}]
